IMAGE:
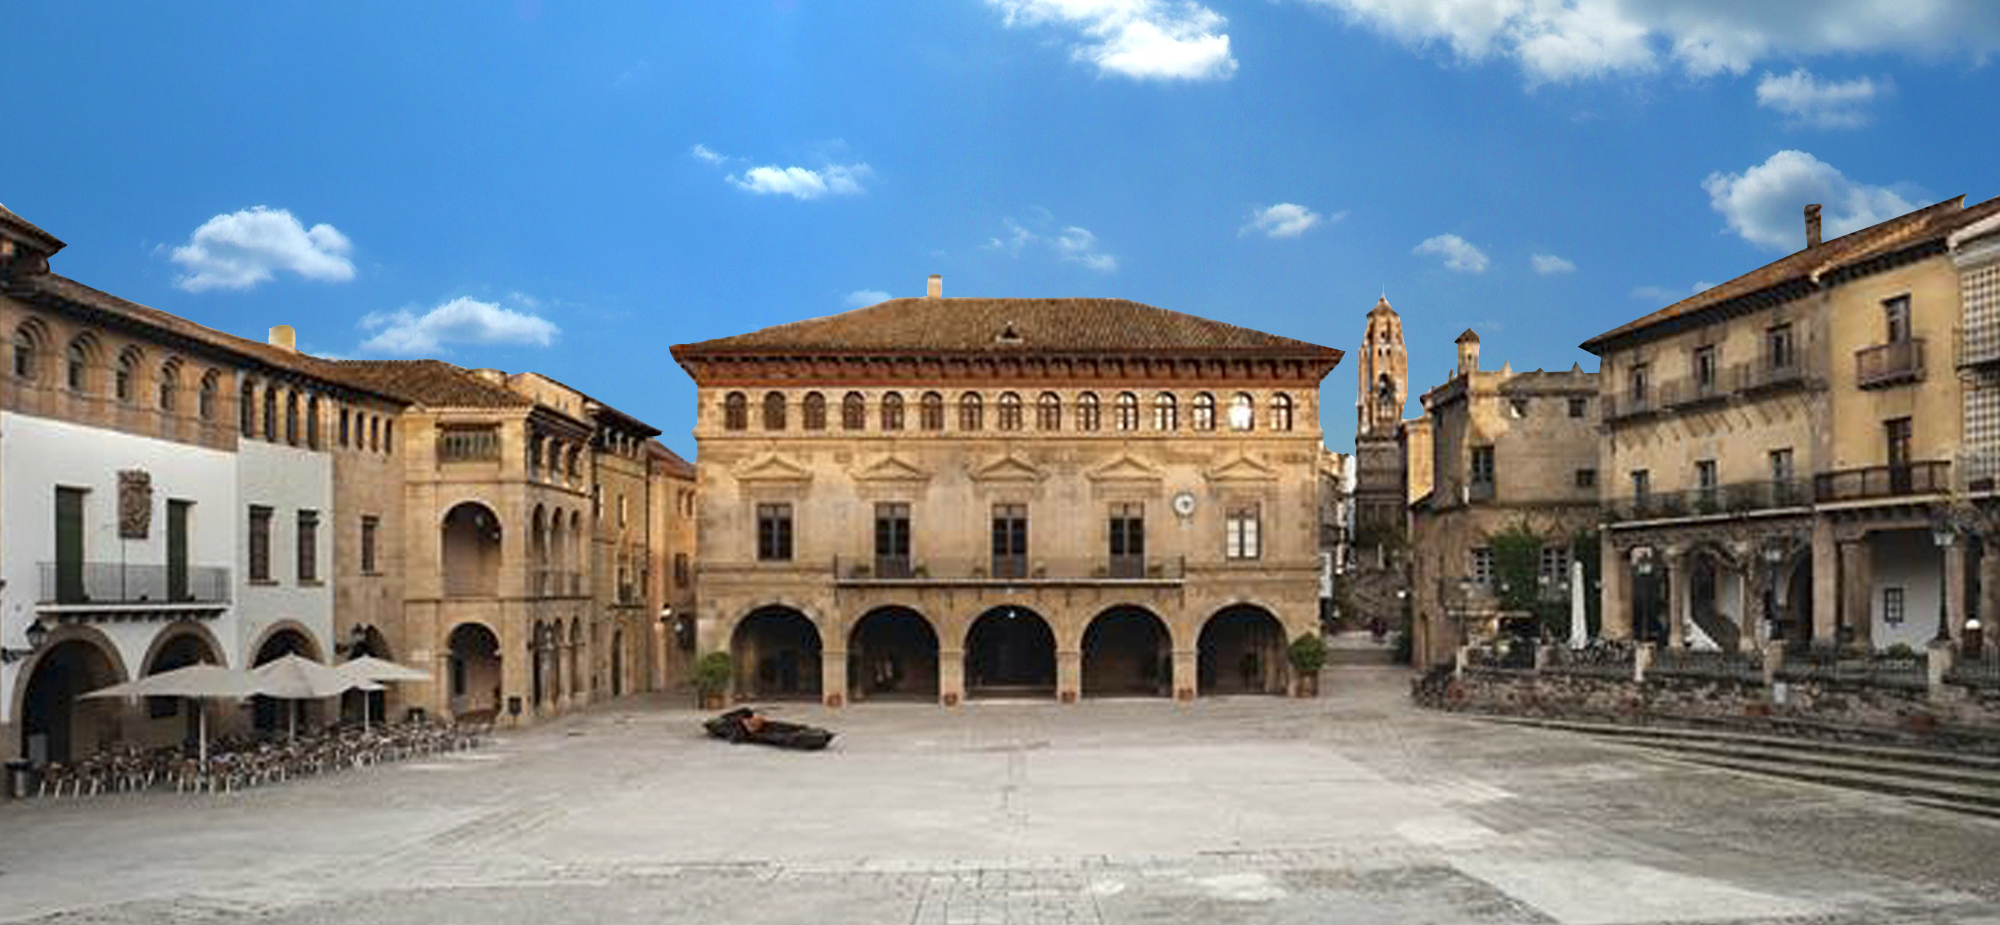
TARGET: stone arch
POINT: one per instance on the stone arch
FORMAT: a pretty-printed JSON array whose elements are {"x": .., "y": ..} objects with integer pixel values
[
  {"x": 1127, "y": 650},
  {"x": 1241, "y": 650},
  {"x": 473, "y": 661},
  {"x": 31, "y": 350},
  {"x": 892, "y": 652},
  {"x": 776, "y": 649},
  {"x": 175, "y": 631},
  {"x": 81, "y": 357},
  {"x": 55, "y": 725},
  {"x": 1010, "y": 650},
  {"x": 371, "y": 642},
  {"x": 305, "y": 644},
  {"x": 279, "y": 639},
  {"x": 178, "y": 646},
  {"x": 470, "y": 550}
]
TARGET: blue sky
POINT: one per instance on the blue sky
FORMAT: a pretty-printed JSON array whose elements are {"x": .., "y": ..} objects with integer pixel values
[{"x": 572, "y": 188}]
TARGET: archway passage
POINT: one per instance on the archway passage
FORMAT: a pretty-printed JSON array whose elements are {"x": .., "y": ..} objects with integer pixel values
[
  {"x": 475, "y": 672},
  {"x": 1126, "y": 652},
  {"x": 1010, "y": 652},
  {"x": 777, "y": 655},
  {"x": 267, "y": 714},
  {"x": 1242, "y": 651},
  {"x": 1795, "y": 611},
  {"x": 370, "y": 642},
  {"x": 181, "y": 650},
  {"x": 471, "y": 551},
  {"x": 892, "y": 653},
  {"x": 55, "y": 725}
]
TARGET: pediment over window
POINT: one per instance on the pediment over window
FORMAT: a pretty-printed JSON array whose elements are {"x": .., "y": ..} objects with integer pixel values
[
  {"x": 772, "y": 467},
  {"x": 891, "y": 468},
  {"x": 1125, "y": 468},
  {"x": 1008, "y": 468},
  {"x": 1242, "y": 469}
]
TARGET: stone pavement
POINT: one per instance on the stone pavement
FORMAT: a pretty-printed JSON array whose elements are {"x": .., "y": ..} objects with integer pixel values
[{"x": 1352, "y": 808}]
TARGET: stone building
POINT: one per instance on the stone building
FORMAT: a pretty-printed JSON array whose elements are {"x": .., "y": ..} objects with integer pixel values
[
  {"x": 670, "y": 511},
  {"x": 1509, "y": 452},
  {"x": 1380, "y": 489},
  {"x": 1779, "y": 448},
  {"x": 940, "y": 498}
]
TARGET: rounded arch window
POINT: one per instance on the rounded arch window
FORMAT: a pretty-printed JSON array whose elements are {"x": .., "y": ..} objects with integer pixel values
[
  {"x": 1166, "y": 412},
  {"x": 1087, "y": 412},
  {"x": 1242, "y": 412},
  {"x": 1010, "y": 411},
  {"x": 932, "y": 411},
  {"x": 971, "y": 412},
  {"x": 853, "y": 411},
  {"x": 1128, "y": 411},
  {"x": 892, "y": 411},
  {"x": 735, "y": 412},
  {"x": 1281, "y": 412},
  {"x": 76, "y": 365},
  {"x": 774, "y": 411},
  {"x": 1204, "y": 411},
  {"x": 170, "y": 385},
  {"x": 815, "y": 411},
  {"x": 205, "y": 399},
  {"x": 126, "y": 379},
  {"x": 1048, "y": 412}
]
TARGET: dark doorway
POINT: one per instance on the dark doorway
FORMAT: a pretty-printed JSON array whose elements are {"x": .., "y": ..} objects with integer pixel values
[
  {"x": 777, "y": 654},
  {"x": 1010, "y": 651},
  {"x": 267, "y": 714},
  {"x": 893, "y": 653},
  {"x": 1242, "y": 651},
  {"x": 55, "y": 725},
  {"x": 1126, "y": 653}
]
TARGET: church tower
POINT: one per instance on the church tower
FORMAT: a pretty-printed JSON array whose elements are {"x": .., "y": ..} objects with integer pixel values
[{"x": 1385, "y": 374}]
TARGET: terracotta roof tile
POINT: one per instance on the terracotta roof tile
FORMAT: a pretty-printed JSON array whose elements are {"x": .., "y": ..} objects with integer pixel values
[
  {"x": 433, "y": 383},
  {"x": 672, "y": 459}
]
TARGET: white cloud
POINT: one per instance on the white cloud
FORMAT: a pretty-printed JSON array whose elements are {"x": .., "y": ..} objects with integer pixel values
[
  {"x": 803, "y": 183},
  {"x": 861, "y": 298},
  {"x": 1140, "y": 39},
  {"x": 1458, "y": 253},
  {"x": 1546, "y": 264},
  {"x": 238, "y": 250},
  {"x": 1766, "y": 203},
  {"x": 1807, "y": 101},
  {"x": 1655, "y": 294},
  {"x": 459, "y": 321},
  {"x": 1563, "y": 40},
  {"x": 704, "y": 153},
  {"x": 1072, "y": 243},
  {"x": 1703, "y": 285},
  {"x": 1286, "y": 220}
]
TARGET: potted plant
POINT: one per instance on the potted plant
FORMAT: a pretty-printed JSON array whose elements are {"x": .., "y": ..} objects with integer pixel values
[
  {"x": 711, "y": 679},
  {"x": 1307, "y": 655}
]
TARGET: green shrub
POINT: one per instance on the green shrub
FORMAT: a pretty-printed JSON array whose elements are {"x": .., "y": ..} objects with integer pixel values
[
  {"x": 1901, "y": 650},
  {"x": 1307, "y": 653},
  {"x": 712, "y": 673}
]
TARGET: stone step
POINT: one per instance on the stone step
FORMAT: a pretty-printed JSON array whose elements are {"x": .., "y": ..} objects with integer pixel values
[
  {"x": 1981, "y": 800},
  {"x": 1384, "y": 654},
  {"x": 1753, "y": 739},
  {"x": 1915, "y": 770}
]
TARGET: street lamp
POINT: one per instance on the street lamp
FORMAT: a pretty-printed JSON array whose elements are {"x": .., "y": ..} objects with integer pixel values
[
  {"x": 1642, "y": 564},
  {"x": 1943, "y": 533},
  {"x": 37, "y": 634}
]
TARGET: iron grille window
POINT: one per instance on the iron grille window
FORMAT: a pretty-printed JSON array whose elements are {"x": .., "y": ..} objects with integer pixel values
[
  {"x": 308, "y": 546},
  {"x": 774, "y": 532},
  {"x": 260, "y": 543},
  {"x": 1242, "y": 528},
  {"x": 1892, "y": 606},
  {"x": 1482, "y": 566}
]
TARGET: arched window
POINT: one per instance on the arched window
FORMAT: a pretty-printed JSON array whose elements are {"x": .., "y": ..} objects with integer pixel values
[
  {"x": 292, "y": 418},
  {"x": 24, "y": 353},
  {"x": 1128, "y": 411},
  {"x": 932, "y": 413},
  {"x": 1281, "y": 412},
  {"x": 1048, "y": 412},
  {"x": 1204, "y": 411},
  {"x": 892, "y": 411},
  {"x": 1166, "y": 412},
  {"x": 1242, "y": 412},
  {"x": 1087, "y": 411},
  {"x": 735, "y": 412},
  {"x": 312, "y": 422},
  {"x": 170, "y": 385},
  {"x": 204, "y": 403},
  {"x": 271, "y": 413},
  {"x": 246, "y": 408},
  {"x": 853, "y": 411},
  {"x": 971, "y": 412},
  {"x": 389, "y": 437},
  {"x": 815, "y": 411},
  {"x": 126, "y": 381},
  {"x": 374, "y": 433},
  {"x": 76, "y": 366},
  {"x": 774, "y": 411},
  {"x": 1010, "y": 411}
]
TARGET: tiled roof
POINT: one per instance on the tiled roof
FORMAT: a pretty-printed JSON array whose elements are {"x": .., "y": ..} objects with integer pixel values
[
  {"x": 1928, "y": 224},
  {"x": 672, "y": 459},
  {"x": 991, "y": 324},
  {"x": 434, "y": 383}
]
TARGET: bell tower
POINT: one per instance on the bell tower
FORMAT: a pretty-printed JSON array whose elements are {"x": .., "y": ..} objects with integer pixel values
[{"x": 1384, "y": 372}]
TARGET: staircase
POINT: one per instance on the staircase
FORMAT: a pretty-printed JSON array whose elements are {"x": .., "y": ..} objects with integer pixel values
[
  {"x": 1358, "y": 647},
  {"x": 1718, "y": 626}
]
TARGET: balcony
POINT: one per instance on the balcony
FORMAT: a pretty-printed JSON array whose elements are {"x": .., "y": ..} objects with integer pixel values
[
  {"x": 1691, "y": 393},
  {"x": 1111, "y": 570},
  {"x": 1917, "y": 478},
  {"x": 1765, "y": 376},
  {"x": 1978, "y": 346},
  {"x": 1733, "y": 498},
  {"x": 118, "y": 586},
  {"x": 1889, "y": 364},
  {"x": 1628, "y": 405}
]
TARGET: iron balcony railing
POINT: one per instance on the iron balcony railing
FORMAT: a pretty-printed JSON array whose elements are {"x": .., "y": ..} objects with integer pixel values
[
  {"x": 1619, "y": 406},
  {"x": 1734, "y": 498},
  {"x": 1692, "y": 391},
  {"x": 1890, "y": 363},
  {"x": 1978, "y": 345},
  {"x": 1917, "y": 478},
  {"x": 122, "y": 583},
  {"x": 1110, "y": 568}
]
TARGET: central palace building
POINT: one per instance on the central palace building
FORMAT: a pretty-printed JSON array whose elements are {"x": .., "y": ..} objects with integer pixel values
[{"x": 937, "y": 498}]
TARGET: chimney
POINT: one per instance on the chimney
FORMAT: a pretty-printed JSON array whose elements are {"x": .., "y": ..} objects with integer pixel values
[
  {"x": 936, "y": 289},
  {"x": 1812, "y": 225},
  {"x": 283, "y": 336}
]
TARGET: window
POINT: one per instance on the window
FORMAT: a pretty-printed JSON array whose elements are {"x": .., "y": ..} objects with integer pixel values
[
  {"x": 308, "y": 542},
  {"x": 624, "y": 511},
  {"x": 345, "y": 415},
  {"x": 1704, "y": 369},
  {"x": 1128, "y": 540},
  {"x": 1892, "y": 606},
  {"x": 1896, "y": 433},
  {"x": 1128, "y": 411},
  {"x": 1010, "y": 411},
  {"x": 892, "y": 411},
  {"x": 1896, "y": 314},
  {"x": 1010, "y": 541},
  {"x": 1087, "y": 412},
  {"x": 1642, "y": 485},
  {"x": 1048, "y": 412},
  {"x": 1586, "y": 478},
  {"x": 1517, "y": 408},
  {"x": 1578, "y": 407},
  {"x": 1778, "y": 352},
  {"x": 1242, "y": 412},
  {"x": 468, "y": 443},
  {"x": 76, "y": 365},
  {"x": 774, "y": 411},
  {"x": 260, "y": 543},
  {"x": 815, "y": 413},
  {"x": 774, "y": 532},
  {"x": 1281, "y": 412},
  {"x": 1636, "y": 382},
  {"x": 971, "y": 412},
  {"x": 680, "y": 570},
  {"x": 370, "y": 526},
  {"x": 24, "y": 354},
  {"x": 892, "y": 539},
  {"x": 1240, "y": 539},
  {"x": 389, "y": 437},
  {"x": 1482, "y": 566},
  {"x": 1705, "y": 481},
  {"x": 170, "y": 386},
  {"x": 853, "y": 411},
  {"x": 1781, "y": 464},
  {"x": 312, "y": 422},
  {"x": 126, "y": 377},
  {"x": 1166, "y": 412},
  {"x": 1554, "y": 570},
  {"x": 246, "y": 410},
  {"x": 735, "y": 412},
  {"x": 1204, "y": 411},
  {"x": 1482, "y": 465},
  {"x": 292, "y": 418},
  {"x": 271, "y": 414},
  {"x": 204, "y": 403},
  {"x": 931, "y": 413}
]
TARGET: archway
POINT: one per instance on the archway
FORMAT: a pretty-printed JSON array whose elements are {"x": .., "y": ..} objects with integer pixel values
[
  {"x": 777, "y": 655},
  {"x": 892, "y": 653},
  {"x": 1715, "y": 597},
  {"x": 471, "y": 553},
  {"x": 367, "y": 641},
  {"x": 178, "y": 650},
  {"x": 1242, "y": 651},
  {"x": 1127, "y": 652},
  {"x": 576, "y": 659},
  {"x": 1010, "y": 651},
  {"x": 267, "y": 714},
  {"x": 475, "y": 671},
  {"x": 1795, "y": 611},
  {"x": 55, "y": 725}
]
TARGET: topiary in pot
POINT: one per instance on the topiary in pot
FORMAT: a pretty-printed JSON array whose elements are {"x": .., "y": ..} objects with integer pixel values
[
  {"x": 1307, "y": 655},
  {"x": 711, "y": 678}
]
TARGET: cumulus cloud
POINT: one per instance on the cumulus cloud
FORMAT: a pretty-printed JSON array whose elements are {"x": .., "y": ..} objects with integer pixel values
[
  {"x": 1547, "y": 264},
  {"x": 1458, "y": 253},
  {"x": 802, "y": 182},
  {"x": 1140, "y": 39},
  {"x": 459, "y": 321},
  {"x": 238, "y": 250},
  {"x": 1806, "y": 100},
  {"x": 1765, "y": 204},
  {"x": 1285, "y": 220},
  {"x": 705, "y": 153},
  {"x": 1564, "y": 40},
  {"x": 861, "y": 298},
  {"x": 1072, "y": 243}
]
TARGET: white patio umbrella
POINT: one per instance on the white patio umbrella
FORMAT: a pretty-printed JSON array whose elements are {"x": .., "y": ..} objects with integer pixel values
[
  {"x": 1579, "y": 617},
  {"x": 370, "y": 668},
  {"x": 197, "y": 683},
  {"x": 294, "y": 677}
]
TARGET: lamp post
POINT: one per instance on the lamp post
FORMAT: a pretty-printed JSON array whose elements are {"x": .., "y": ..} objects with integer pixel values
[
  {"x": 1772, "y": 554},
  {"x": 37, "y": 633},
  {"x": 1642, "y": 565},
  {"x": 1943, "y": 534}
]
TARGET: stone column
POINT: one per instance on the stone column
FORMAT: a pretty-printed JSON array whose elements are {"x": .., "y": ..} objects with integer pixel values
[
  {"x": 1069, "y": 675},
  {"x": 1989, "y": 582},
  {"x": 1186, "y": 685},
  {"x": 1615, "y": 601},
  {"x": 833, "y": 677},
  {"x": 1678, "y": 604},
  {"x": 1954, "y": 587},
  {"x": 1856, "y": 584},
  {"x": 1749, "y": 603},
  {"x": 951, "y": 677},
  {"x": 1826, "y": 562}
]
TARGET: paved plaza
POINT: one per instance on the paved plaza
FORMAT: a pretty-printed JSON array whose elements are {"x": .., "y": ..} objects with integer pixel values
[{"x": 1352, "y": 808}]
